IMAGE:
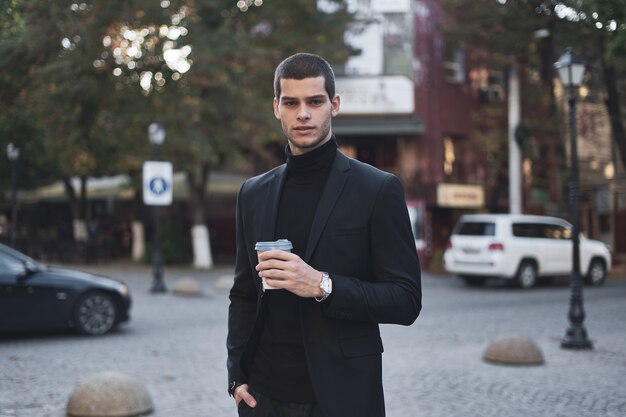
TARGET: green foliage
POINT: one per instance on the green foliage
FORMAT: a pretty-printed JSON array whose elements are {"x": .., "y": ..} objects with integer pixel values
[
  {"x": 608, "y": 19},
  {"x": 533, "y": 33},
  {"x": 81, "y": 81},
  {"x": 225, "y": 99},
  {"x": 15, "y": 126}
]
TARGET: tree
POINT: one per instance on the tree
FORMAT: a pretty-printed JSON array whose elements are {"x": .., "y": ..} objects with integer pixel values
[
  {"x": 94, "y": 75},
  {"x": 500, "y": 38},
  {"x": 15, "y": 124},
  {"x": 533, "y": 32},
  {"x": 67, "y": 100},
  {"x": 605, "y": 23},
  {"x": 223, "y": 107}
]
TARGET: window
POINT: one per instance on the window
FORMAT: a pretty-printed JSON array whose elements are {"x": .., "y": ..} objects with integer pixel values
[
  {"x": 541, "y": 230},
  {"x": 454, "y": 67},
  {"x": 527, "y": 230},
  {"x": 553, "y": 231},
  {"x": 477, "y": 229},
  {"x": 10, "y": 265},
  {"x": 448, "y": 155},
  {"x": 490, "y": 86}
]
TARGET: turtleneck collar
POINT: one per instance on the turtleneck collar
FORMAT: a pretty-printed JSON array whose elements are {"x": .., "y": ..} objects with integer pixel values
[{"x": 317, "y": 161}]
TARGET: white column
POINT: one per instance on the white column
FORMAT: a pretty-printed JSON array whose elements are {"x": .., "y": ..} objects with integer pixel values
[
  {"x": 515, "y": 155},
  {"x": 202, "y": 257},
  {"x": 80, "y": 230}
]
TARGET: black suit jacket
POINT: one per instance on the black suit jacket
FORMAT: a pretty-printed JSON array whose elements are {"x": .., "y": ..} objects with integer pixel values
[{"x": 361, "y": 236}]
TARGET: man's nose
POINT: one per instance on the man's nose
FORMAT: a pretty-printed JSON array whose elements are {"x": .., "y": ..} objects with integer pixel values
[{"x": 303, "y": 113}]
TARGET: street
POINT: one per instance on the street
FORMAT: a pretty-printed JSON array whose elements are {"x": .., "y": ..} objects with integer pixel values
[{"x": 434, "y": 368}]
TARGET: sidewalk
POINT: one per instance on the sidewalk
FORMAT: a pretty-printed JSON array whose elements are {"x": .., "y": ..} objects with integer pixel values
[{"x": 434, "y": 368}]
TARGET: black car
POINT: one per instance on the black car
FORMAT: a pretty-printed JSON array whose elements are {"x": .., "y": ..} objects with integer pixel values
[{"x": 34, "y": 297}]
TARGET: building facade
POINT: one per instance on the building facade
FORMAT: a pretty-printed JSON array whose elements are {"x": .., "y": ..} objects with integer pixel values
[
  {"x": 404, "y": 109},
  {"x": 410, "y": 102}
]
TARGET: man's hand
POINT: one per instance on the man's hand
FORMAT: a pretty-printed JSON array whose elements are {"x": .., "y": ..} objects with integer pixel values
[
  {"x": 241, "y": 394},
  {"x": 287, "y": 270}
]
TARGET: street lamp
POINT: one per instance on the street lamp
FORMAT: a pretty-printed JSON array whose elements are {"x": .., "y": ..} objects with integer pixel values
[
  {"x": 13, "y": 153},
  {"x": 571, "y": 69},
  {"x": 156, "y": 133}
]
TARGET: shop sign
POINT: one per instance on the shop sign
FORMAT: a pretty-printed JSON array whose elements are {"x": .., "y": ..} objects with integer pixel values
[
  {"x": 376, "y": 95},
  {"x": 460, "y": 196}
]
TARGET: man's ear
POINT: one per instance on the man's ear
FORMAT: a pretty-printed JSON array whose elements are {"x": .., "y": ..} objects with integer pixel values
[
  {"x": 276, "y": 111},
  {"x": 334, "y": 105}
]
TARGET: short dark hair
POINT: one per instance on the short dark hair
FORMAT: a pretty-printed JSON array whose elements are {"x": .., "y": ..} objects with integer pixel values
[{"x": 304, "y": 65}]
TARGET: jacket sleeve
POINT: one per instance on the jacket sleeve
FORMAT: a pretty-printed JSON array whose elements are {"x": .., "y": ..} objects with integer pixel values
[
  {"x": 243, "y": 300},
  {"x": 393, "y": 294}
]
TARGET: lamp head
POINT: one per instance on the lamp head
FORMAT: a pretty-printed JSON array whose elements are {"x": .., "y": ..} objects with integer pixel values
[
  {"x": 13, "y": 152},
  {"x": 571, "y": 68},
  {"x": 156, "y": 133}
]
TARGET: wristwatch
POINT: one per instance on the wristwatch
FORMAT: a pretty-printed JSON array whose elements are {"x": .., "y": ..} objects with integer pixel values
[
  {"x": 326, "y": 285},
  {"x": 232, "y": 386}
]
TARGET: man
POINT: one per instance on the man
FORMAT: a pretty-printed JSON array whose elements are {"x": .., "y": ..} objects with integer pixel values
[{"x": 313, "y": 347}]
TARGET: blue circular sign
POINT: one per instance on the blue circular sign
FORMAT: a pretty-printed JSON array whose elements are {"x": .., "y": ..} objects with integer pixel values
[{"x": 158, "y": 185}]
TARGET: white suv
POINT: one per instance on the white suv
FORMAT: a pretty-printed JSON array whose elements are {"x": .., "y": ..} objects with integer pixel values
[{"x": 521, "y": 248}]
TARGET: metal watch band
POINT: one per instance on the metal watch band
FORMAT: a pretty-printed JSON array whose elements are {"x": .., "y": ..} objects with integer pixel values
[{"x": 326, "y": 286}]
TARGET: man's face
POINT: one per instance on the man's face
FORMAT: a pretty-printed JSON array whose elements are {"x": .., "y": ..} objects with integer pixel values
[{"x": 305, "y": 110}]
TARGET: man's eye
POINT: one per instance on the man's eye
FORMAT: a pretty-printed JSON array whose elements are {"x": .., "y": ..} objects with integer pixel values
[
  {"x": 289, "y": 103},
  {"x": 316, "y": 102}
]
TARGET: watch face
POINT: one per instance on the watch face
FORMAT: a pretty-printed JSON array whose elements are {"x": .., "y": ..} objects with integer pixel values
[{"x": 326, "y": 284}]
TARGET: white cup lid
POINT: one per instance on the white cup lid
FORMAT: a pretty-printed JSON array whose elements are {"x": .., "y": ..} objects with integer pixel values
[{"x": 281, "y": 244}]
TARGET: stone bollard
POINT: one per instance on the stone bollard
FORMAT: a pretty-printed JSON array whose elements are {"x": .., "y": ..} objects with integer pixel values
[
  {"x": 513, "y": 350},
  {"x": 224, "y": 283},
  {"x": 188, "y": 287},
  {"x": 109, "y": 394}
]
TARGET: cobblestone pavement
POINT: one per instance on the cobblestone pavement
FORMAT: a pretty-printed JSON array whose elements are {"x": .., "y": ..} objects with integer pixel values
[{"x": 176, "y": 347}]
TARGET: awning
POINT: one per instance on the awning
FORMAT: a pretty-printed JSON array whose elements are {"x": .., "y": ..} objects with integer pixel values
[
  {"x": 119, "y": 187},
  {"x": 378, "y": 125}
]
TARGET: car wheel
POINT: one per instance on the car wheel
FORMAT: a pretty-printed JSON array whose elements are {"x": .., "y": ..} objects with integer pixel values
[
  {"x": 95, "y": 313},
  {"x": 526, "y": 275},
  {"x": 597, "y": 273},
  {"x": 471, "y": 281}
]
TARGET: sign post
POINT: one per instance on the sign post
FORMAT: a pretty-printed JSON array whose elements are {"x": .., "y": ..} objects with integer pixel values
[{"x": 158, "y": 180}]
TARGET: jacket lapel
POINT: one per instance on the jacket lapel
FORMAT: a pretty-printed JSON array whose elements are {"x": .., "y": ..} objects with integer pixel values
[
  {"x": 337, "y": 178},
  {"x": 272, "y": 198}
]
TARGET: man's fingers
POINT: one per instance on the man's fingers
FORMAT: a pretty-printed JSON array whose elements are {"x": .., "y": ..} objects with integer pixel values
[
  {"x": 276, "y": 254},
  {"x": 272, "y": 264},
  {"x": 274, "y": 274},
  {"x": 247, "y": 397}
]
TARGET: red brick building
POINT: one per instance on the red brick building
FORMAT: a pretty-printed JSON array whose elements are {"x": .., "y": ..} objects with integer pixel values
[{"x": 406, "y": 109}]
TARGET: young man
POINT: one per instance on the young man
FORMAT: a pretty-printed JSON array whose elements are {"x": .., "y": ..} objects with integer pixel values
[{"x": 313, "y": 347}]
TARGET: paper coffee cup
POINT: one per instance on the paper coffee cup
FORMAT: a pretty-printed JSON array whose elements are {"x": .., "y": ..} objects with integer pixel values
[{"x": 280, "y": 244}]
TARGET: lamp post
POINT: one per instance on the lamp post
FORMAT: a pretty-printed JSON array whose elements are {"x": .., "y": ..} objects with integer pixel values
[
  {"x": 571, "y": 69},
  {"x": 13, "y": 153},
  {"x": 156, "y": 133}
]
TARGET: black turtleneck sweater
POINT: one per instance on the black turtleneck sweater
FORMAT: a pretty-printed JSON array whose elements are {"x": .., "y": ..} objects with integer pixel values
[{"x": 280, "y": 370}]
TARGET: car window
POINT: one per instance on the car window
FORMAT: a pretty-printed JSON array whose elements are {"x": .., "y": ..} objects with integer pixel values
[
  {"x": 554, "y": 231},
  {"x": 476, "y": 229},
  {"x": 541, "y": 230},
  {"x": 528, "y": 230},
  {"x": 10, "y": 264}
]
